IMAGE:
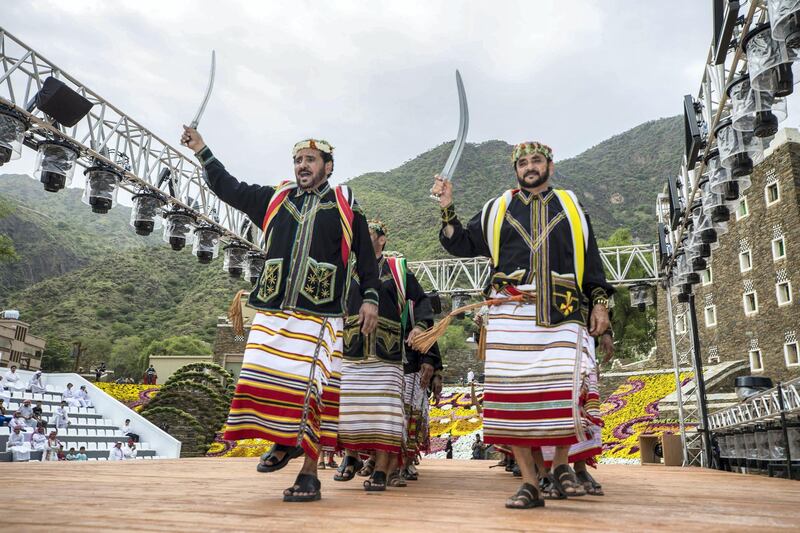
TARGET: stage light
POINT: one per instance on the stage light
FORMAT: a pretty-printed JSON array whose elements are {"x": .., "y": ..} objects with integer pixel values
[
  {"x": 641, "y": 295},
  {"x": 722, "y": 182},
  {"x": 63, "y": 104},
  {"x": 664, "y": 249},
  {"x": 784, "y": 16},
  {"x": 13, "y": 125},
  {"x": 253, "y": 265},
  {"x": 234, "y": 257},
  {"x": 694, "y": 126},
  {"x": 769, "y": 61},
  {"x": 100, "y": 191},
  {"x": 206, "y": 242},
  {"x": 146, "y": 212},
  {"x": 675, "y": 202},
  {"x": 714, "y": 202},
  {"x": 55, "y": 164},
  {"x": 725, "y": 14},
  {"x": 178, "y": 226},
  {"x": 703, "y": 226},
  {"x": 739, "y": 150},
  {"x": 754, "y": 110}
]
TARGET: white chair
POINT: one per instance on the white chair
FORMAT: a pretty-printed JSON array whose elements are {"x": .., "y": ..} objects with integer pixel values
[
  {"x": 92, "y": 446},
  {"x": 69, "y": 432},
  {"x": 147, "y": 457},
  {"x": 82, "y": 421},
  {"x": 82, "y": 432},
  {"x": 38, "y": 397},
  {"x": 84, "y": 444},
  {"x": 81, "y": 410},
  {"x": 49, "y": 388},
  {"x": 92, "y": 458},
  {"x": 102, "y": 458},
  {"x": 91, "y": 432},
  {"x": 5, "y": 430}
]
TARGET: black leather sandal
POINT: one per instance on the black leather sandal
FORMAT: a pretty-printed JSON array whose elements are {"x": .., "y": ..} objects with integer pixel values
[
  {"x": 270, "y": 463},
  {"x": 350, "y": 465},
  {"x": 307, "y": 484},
  {"x": 527, "y": 497},
  {"x": 376, "y": 483}
]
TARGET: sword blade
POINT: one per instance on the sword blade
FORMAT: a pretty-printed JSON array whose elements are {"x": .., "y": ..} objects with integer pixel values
[
  {"x": 207, "y": 96},
  {"x": 463, "y": 127}
]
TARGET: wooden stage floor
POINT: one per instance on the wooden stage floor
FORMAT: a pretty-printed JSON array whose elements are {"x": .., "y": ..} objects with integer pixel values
[{"x": 229, "y": 495}]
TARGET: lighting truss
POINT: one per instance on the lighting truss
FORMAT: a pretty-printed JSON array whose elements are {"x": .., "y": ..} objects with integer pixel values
[
  {"x": 107, "y": 134},
  {"x": 721, "y": 67},
  {"x": 758, "y": 409},
  {"x": 452, "y": 275}
]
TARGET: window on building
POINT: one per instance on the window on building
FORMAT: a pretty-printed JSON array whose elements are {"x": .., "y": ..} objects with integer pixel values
[
  {"x": 707, "y": 276},
  {"x": 756, "y": 363},
  {"x": 772, "y": 193},
  {"x": 791, "y": 353},
  {"x": 750, "y": 303},
  {"x": 745, "y": 261},
  {"x": 783, "y": 291},
  {"x": 710, "y": 313},
  {"x": 743, "y": 210},
  {"x": 778, "y": 248}
]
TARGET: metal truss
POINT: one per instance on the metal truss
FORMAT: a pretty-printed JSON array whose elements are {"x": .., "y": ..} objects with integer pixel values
[
  {"x": 764, "y": 407},
  {"x": 713, "y": 100},
  {"x": 109, "y": 135},
  {"x": 624, "y": 265}
]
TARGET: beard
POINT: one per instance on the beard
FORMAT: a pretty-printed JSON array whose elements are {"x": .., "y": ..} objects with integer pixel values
[
  {"x": 306, "y": 179},
  {"x": 533, "y": 178}
]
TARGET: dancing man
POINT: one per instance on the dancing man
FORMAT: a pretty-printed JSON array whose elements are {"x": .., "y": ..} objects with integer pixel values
[
  {"x": 371, "y": 409},
  {"x": 547, "y": 281},
  {"x": 288, "y": 388}
]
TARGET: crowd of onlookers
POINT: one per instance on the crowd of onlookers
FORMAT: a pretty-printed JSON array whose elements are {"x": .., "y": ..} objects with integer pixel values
[{"x": 31, "y": 431}]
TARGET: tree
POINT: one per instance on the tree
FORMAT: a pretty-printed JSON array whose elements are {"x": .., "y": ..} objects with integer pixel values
[
  {"x": 7, "y": 252},
  {"x": 57, "y": 356},
  {"x": 125, "y": 357},
  {"x": 180, "y": 345}
]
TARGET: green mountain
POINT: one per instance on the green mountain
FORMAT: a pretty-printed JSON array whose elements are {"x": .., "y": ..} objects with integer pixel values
[
  {"x": 88, "y": 276},
  {"x": 617, "y": 181}
]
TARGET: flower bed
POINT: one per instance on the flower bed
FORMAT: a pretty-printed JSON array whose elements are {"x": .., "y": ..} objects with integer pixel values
[
  {"x": 133, "y": 396},
  {"x": 632, "y": 411}
]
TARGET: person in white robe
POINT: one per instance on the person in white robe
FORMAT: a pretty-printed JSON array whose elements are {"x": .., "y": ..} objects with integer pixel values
[
  {"x": 26, "y": 410},
  {"x": 129, "y": 450},
  {"x": 127, "y": 430},
  {"x": 36, "y": 385},
  {"x": 52, "y": 447},
  {"x": 17, "y": 421},
  {"x": 18, "y": 445},
  {"x": 83, "y": 397},
  {"x": 70, "y": 395},
  {"x": 39, "y": 439},
  {"x": 61, "y": 418},
  {"x": 12, "y": 381},
  {"x": 116, "y": 453}
]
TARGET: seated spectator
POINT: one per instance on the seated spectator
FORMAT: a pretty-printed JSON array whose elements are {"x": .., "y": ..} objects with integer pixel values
[
  {"x": 17, "y": 421},
  {"x": 70, "y": 395},
  {"x": 150, "y": 377},
  {"x": 18, "y": 445},
  {"x": 36, "y": 383},
  {"x": 127, "y": 430},
  {"x": 129, "y": 450},
  {"x": 26, "y": 410},
  {"x": 116, "y": 453},
  {"x": 52, "y": 448},
  {"x": 38, "y": 414},
  {"x": 82, "y": 454},
  {"x": 12, "y": 381},
  {"x": 71, "y": 455},
  {"x": 4, "y": 418},
  {"x": 61, "y": 418},
  {"x": 38, "y": 439},
  {"x": 83, "y": 397}
]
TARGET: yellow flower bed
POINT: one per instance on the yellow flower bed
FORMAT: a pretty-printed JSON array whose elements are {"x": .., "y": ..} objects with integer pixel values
[
  {"x": 125, "y": 392},
  {"x": 631, "y": 411}
]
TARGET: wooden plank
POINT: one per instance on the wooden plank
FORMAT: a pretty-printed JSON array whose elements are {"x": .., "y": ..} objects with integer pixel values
[{"x": 229, "y": 495}]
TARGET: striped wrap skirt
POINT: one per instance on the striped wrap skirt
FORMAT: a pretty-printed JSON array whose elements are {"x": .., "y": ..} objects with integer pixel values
[
  {"x": 414, "y": 403},
  {"x": 288, "y": 389},
  {"x": 537, "y": 380},
  {"x": 371, "y": 413}
]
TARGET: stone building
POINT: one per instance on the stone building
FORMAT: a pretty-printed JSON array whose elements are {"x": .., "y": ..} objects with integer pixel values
[
  {"x": 747, "y": 302},
  {"x": 18, "y": 347}
]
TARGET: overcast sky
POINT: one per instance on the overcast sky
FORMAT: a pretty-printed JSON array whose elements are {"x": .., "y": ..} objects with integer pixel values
[{"x": 375, "y": 78}]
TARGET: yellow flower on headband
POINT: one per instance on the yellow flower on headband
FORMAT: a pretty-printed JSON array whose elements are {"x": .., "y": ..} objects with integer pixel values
[
  {"x": 378, "y": 227},
  {"x": 531, "y": 147},
  {"x": 316, "y": 144}
]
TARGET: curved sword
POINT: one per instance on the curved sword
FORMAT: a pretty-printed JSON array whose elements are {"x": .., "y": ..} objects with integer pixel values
[
  {"x": 461, "y": 138},
  {"x": 200, "y": 111}
]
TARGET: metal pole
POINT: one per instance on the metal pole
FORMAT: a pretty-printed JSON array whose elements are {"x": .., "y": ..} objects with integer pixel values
[
  {"x": 782, "y": 407},
  {"x": 676, "y": 365},
  {"x": 700, "y": 384}
]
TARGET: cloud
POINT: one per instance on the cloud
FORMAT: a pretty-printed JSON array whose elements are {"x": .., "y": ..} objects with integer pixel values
[{"x": 376, "y": 78}]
